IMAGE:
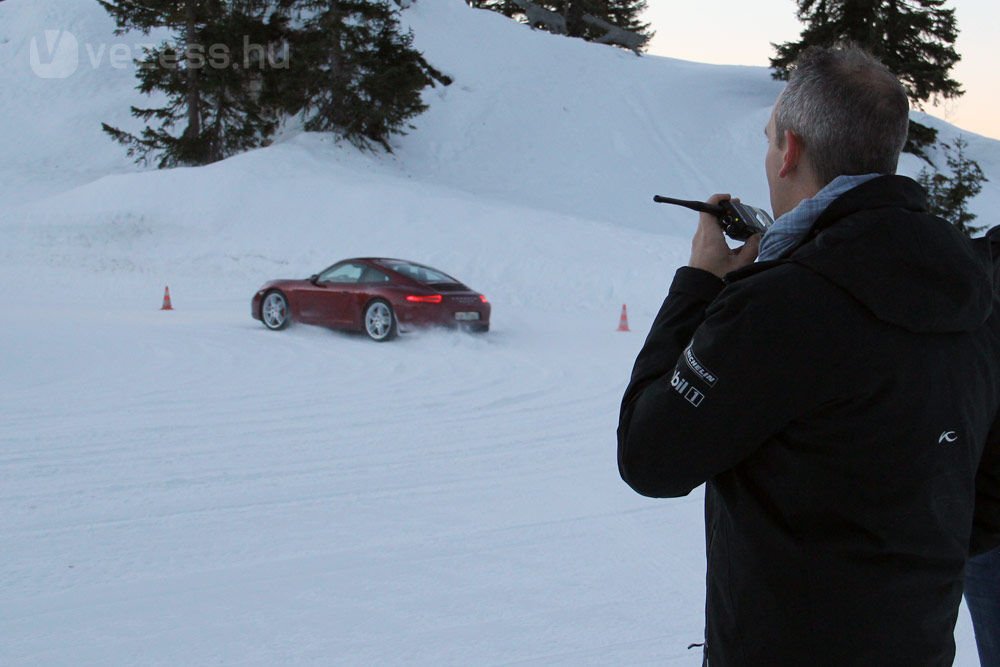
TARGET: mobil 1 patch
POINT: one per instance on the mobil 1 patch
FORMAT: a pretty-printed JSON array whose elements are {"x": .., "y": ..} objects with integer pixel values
[{"x": 683, "y": 387}]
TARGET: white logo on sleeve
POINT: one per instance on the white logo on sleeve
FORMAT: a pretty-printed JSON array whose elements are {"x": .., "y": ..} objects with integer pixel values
[
  {"x": 694, "y": 397},
  {"x": 707, "y": 376},
  {"x": 684, "y": 388},
  {"x": 948, "y": 436}
]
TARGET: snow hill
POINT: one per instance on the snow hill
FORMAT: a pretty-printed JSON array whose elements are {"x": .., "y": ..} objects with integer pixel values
[{"x": 188, "y": 488}]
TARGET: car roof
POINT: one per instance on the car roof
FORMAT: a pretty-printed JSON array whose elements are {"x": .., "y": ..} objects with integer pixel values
[
  {"x": 390, "y": 259},
  {"x": 387, "y": 259}
]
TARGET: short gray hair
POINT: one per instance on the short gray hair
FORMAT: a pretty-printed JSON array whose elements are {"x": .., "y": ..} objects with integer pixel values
[{"x": 850, "y": 111}]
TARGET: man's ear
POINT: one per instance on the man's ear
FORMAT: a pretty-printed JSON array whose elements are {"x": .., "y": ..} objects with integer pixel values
[{"x": 793, "y": 153}]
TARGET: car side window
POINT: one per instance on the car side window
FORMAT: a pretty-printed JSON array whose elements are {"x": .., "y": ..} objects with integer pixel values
[
  {"x": 342, "y": 273},
  {"x": 374, "y": 276}
]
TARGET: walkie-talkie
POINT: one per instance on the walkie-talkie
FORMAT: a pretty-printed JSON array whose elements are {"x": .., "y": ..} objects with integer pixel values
[{"x": 739, "y": 221}]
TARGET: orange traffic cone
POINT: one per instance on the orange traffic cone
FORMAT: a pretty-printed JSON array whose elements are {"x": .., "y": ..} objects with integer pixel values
[
  {"x": 623, "y": 322},
  {"x": 166, "y": 299}
]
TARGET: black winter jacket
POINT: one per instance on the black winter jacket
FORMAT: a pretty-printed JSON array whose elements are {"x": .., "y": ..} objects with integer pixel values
[{"x": 838, "y": 403}]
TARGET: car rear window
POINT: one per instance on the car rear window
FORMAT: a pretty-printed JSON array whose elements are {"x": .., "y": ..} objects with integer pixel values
[
  {"x": 373, "y": 276},
  {"x": 423, "y": 274}
]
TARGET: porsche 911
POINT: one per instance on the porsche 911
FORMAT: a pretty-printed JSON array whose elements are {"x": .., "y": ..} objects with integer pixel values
[{"x": 379, "y": 297}]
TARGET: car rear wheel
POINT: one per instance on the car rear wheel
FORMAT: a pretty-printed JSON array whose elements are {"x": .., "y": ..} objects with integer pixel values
[
  {"x": 274, "y": 311},
  {"x": 380, "y": 321}
]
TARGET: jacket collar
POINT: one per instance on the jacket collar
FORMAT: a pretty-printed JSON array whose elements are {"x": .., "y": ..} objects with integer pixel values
[
  {"x": 880, "y": 192},
  {"x": 910, "y": 269},
  {"x": 888, "y": 191}
]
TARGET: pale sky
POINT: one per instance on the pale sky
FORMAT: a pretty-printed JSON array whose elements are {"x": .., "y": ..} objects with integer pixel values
[{"x": 739, "y": 32}]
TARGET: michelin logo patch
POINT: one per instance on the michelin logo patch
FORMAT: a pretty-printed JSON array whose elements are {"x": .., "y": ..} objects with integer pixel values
[
  {"x": 692, "y": 362},
  {"x": 691, "y": 372}
]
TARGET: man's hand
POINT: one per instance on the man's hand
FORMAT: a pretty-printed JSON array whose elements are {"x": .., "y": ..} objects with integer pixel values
[{"x": 709, "y": 250}]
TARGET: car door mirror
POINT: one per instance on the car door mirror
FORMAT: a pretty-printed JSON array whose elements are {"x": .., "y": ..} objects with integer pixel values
[{"x": 314, "y": 279}]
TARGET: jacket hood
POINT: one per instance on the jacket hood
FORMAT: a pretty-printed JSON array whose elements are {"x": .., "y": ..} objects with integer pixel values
[{"x": 908, "y": 267}]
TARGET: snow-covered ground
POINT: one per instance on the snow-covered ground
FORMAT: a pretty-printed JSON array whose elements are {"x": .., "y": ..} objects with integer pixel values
[{"x": 188, "y": 488}]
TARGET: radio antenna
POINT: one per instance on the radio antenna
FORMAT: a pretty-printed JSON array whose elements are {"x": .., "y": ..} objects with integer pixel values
[{"x": 699, "y": 206}]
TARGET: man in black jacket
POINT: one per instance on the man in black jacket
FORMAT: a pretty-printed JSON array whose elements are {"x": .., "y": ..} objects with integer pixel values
[{"x": 839, "y": 396}]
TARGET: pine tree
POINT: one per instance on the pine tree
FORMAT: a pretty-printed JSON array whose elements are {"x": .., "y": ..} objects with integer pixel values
[
  {"x": 235, "y": 68},
  {"x": 211, "y": 72},
  {"x": 914, "y": 38},
  {"x": 354, "y": 72},
  {"x": 505, "y": 7},
  {"x": 614, "y": 22},
  {"x": 626, "y": 14},
  {"x": 948, "y": 196},
  {"x": 620, "y": 24}
]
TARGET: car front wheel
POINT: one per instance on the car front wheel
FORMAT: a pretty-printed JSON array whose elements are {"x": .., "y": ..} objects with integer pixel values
[
  {"x": 274, "y": 311},
  {"x": 380, "y": 321}
]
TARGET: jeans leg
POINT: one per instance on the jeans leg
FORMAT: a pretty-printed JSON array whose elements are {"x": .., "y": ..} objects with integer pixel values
[{"x": 982, "y": 595}]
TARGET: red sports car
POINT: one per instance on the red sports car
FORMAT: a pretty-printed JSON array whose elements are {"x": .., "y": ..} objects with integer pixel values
[{"x": 381, "y": 297}]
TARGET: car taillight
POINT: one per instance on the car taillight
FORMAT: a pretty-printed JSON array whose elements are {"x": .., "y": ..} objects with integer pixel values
[
  {"x": 482, "y": 297},
  {"x": 433, "y": 298}
]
